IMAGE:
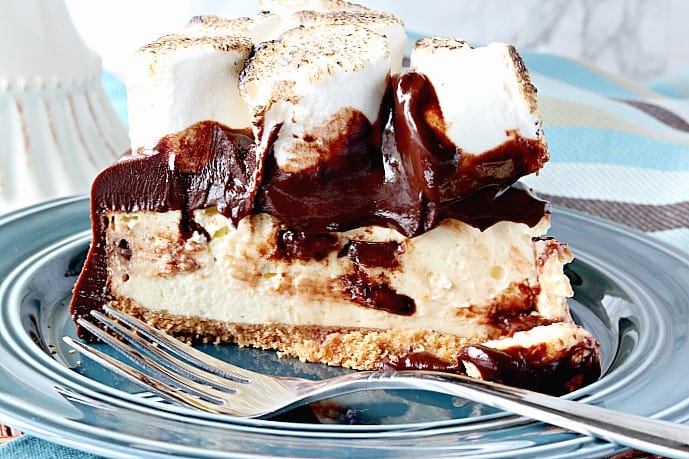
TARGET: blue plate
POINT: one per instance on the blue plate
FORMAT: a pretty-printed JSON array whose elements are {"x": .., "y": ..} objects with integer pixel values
[{"x": 630, "y": 291}]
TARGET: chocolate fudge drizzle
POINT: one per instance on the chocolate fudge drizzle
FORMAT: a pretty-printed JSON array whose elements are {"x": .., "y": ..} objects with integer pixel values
[
  {"x": 516, "y": 366},
  {"x": 528, "y": 368},
  {"x": 365, "y": 290},
  {"x": 398, "y": 172},
  {"x": 437, "y": 167}
]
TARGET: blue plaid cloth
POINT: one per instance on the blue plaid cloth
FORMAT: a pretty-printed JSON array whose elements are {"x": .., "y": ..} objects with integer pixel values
[{"x": 618, "y": 150}]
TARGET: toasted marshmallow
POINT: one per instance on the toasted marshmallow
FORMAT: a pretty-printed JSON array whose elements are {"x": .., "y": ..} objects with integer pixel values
[
  {"x": 287, "y": 7},
  {"x": 485, "y": 94},
  {"x": 264, "y": 26},
  {"x": 303, "y": 87},
  {"x": 177, "y": 81},
  {"x": 380, "y": 22}
]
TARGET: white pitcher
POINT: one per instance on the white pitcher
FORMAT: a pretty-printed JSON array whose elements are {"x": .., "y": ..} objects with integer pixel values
[{"x": 57, "y": 127}]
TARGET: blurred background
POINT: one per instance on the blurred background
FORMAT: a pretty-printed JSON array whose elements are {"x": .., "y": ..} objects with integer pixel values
[{"x": 637, "y": 39}]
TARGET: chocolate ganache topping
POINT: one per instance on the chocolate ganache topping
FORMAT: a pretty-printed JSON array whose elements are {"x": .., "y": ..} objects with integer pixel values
[{"x": 399, "y": 172}]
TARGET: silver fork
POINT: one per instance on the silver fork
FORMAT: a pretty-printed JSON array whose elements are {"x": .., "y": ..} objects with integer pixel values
[{"x": 193, "y": 378}]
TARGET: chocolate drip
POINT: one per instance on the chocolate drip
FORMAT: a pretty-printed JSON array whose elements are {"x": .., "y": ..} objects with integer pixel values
[
  {"x": 436, "y": 166},
  {"x": 399, "y": 204},
  {"x": 513, "y": 321},
  {"x": 297, "y": 244},
  {"x": 517, "y": 313},
  {"x": 369, "y": 174},
  {"x": 421, "y": 361},
  {"x": 490, "y": 205},
  {"x": 359, "y": 285},
  {"x": 409, "y": 178},
  {"x": 377, "y": 295},
  {"x": 337, "y": 193},
  {"x": 529, "y": 367},
  {"x": 369, "y": 254},
  {"x": 211, "y": 166},
  {"x": 205, "y": 165},
  {"x": 430, "y": 158}
]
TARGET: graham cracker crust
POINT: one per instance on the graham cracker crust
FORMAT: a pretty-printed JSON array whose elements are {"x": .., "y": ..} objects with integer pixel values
[{"x": 356, "y": 348}]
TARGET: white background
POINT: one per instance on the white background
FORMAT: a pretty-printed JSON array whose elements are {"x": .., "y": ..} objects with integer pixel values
[{"x": 638, "y": 39}]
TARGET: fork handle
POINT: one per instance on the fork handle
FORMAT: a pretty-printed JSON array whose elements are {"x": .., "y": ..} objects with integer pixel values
[{"x": 642, "y": 433}]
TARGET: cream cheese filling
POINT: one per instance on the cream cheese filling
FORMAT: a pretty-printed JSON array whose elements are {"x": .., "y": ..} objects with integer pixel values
[{"x": 454, "y": 273}]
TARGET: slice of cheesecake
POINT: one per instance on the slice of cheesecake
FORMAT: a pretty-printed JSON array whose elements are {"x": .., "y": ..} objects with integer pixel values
[{"x": 318, "y": 203}]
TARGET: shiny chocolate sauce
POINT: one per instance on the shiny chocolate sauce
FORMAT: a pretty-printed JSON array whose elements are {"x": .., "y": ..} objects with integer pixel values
[
  {"x": 373, "y": 254},
  {"x": 516, "y": 314},
  {"x": 441, "y": 170},
  {"x": 530, "y": 369},
  {"x": 421, "y": 360},
  {"x": 431, "y": 159},
  {"x": 408, "y": 177},
  {"x": 368, "y": 291},
  {"x": 527, "y": 368},
  {"x": 491, "y": 205},
  {"x": 336, "y": 194},
  {"x": 297, "y": 244},
  {"x": 211, "y": 166},
  {"x": 203, "y": 166},
  {"x": 396, "y": 172},
  {"x": 510, "y": 322}
]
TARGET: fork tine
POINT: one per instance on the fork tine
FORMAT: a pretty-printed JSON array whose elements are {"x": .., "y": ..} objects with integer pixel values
[
  {"x": 142, "y": 379},
  {"x": 173, "y": 364},
  {"x": 188, "y": 353},
  {"x": 177, "y": 381}
]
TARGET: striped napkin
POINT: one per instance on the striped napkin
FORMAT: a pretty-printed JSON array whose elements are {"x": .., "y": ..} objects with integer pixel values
[{"x": 618, "y": 150}]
